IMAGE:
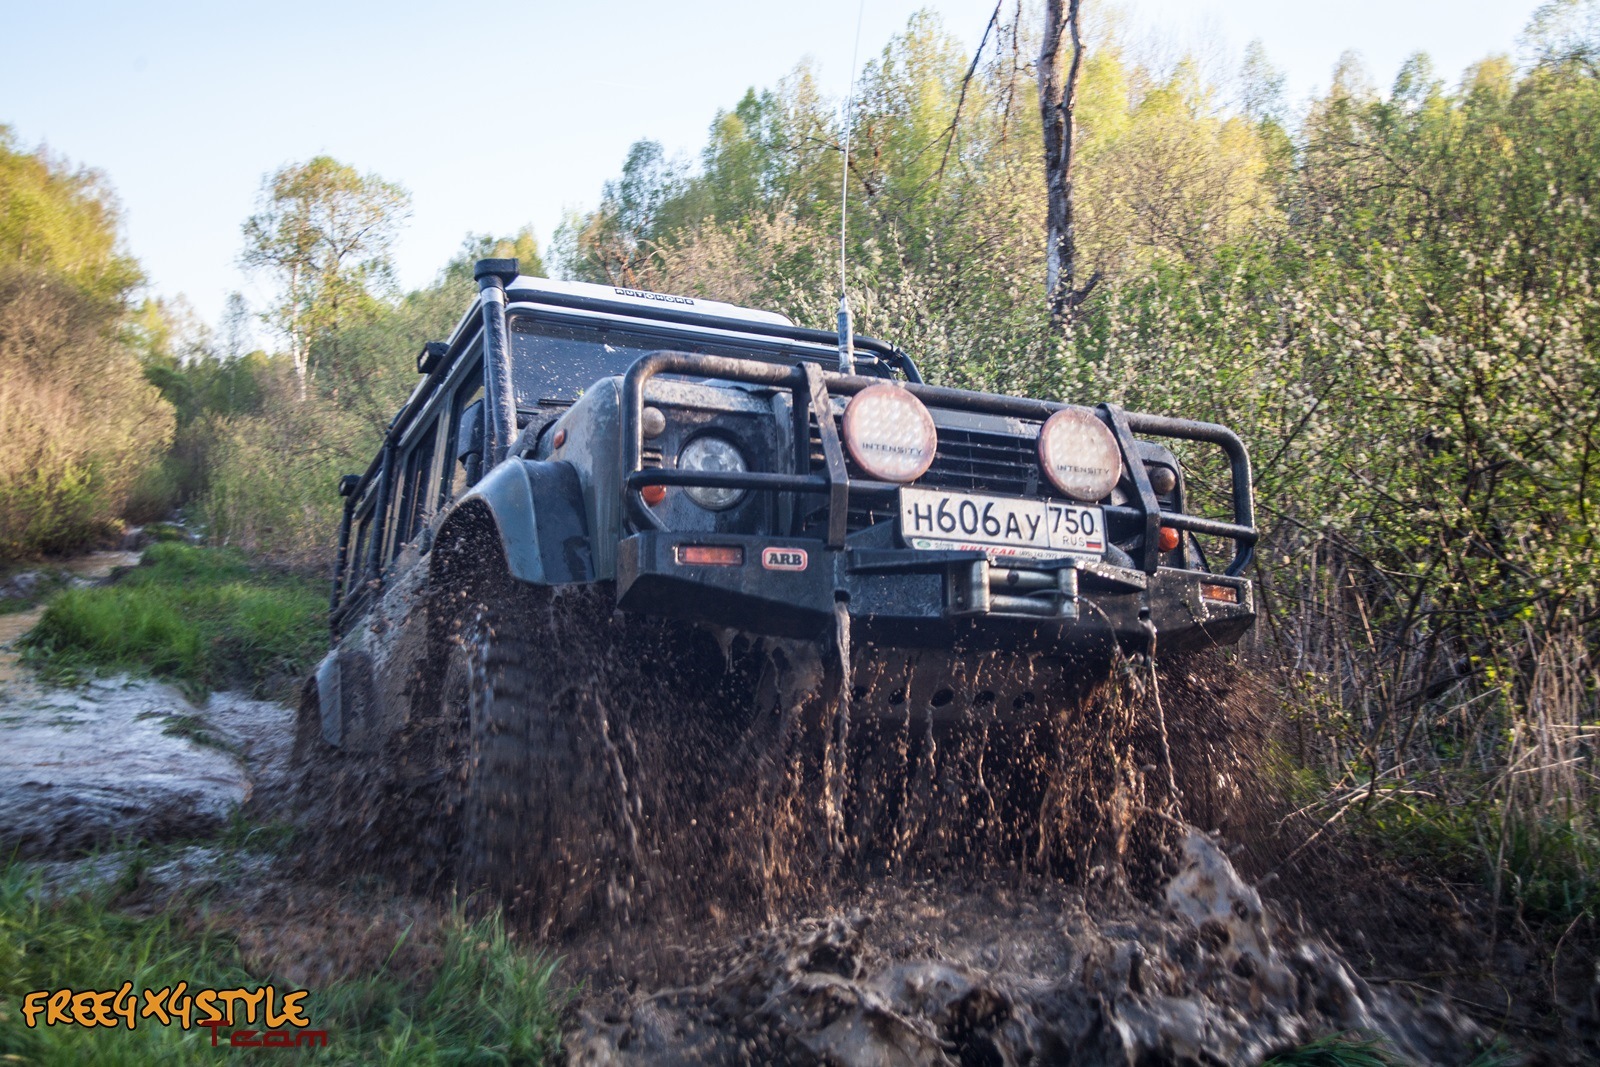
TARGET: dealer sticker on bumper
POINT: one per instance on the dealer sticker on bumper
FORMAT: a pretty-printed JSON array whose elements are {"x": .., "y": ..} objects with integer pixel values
[{"x": 1002, "y": 526}]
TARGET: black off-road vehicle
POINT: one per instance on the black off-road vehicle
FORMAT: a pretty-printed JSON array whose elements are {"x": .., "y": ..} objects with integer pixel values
[{"x": 600, "y": 500}]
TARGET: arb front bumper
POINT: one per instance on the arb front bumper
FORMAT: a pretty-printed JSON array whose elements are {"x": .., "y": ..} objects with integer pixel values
[{"x": 788, "y": 583}]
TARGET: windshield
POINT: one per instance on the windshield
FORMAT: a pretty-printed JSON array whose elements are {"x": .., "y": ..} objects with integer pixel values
[{"x": 554, "y": 362}]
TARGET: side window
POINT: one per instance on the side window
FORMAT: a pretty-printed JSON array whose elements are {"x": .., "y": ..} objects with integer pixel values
[
  {"x": 356, "y": 565},
  {"x": 411, "y": 491},
  {"x": 425, "y": 472},
  {"x": 465, "y": 431},
  {"x": 355, "y": 562}
]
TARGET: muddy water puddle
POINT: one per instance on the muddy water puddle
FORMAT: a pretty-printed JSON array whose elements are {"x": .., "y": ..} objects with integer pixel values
[
  {"x": 12, "y": 627},
  {"x": 121, "y": 759}
]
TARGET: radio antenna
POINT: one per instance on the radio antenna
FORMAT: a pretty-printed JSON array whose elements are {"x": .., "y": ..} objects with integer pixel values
[{"x": 847, "y": 344}]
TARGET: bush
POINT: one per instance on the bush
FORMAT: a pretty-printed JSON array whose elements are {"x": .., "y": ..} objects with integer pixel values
[
  {"x": 1549, "y": 866},
  {"x": 80, "y": 420}
]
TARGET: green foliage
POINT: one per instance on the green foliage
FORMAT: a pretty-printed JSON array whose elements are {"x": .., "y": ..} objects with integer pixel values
[
  {"x": 80, "y": 421},
  {"x": 62, "y": 222},
  {"x": 488, "y": 1002},
  {"x": 204, "y": 618},
  {"x": 1547, "y": 864},
  {"x": 521, "y": 246},
  {"x": 1353, "y": 1050},
  {"x": 269, "y": 474},
  {"x": 270, "y": 436}
]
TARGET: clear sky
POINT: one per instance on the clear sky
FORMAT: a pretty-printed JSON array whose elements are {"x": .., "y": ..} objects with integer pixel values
[{"x": 498, "y": 115}]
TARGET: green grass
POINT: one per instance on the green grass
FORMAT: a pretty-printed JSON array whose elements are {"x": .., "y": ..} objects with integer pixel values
[
  {"x": 196, "y": 730},
  {"x": 203, "y": 618},
  {"x": 487, "y": 1002},
  {"x": 1336, "y": 1050},
  {"x": 1356, "y": 1050},
  {"x": 165, "y": 531},
  {"x": 1548, "y": 868}
]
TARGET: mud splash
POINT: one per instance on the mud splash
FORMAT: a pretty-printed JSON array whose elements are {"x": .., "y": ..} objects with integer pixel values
[
  {"x": 981, "y": 858},
  {"x": 1012, "y": 884},
  {"x": 699, "y": 776},
  {"x": 930, "y": 974}
]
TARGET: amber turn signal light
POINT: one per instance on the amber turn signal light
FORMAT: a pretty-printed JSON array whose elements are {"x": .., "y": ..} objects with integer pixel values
[
  {"x": 1225, "y": 593},
  {"x": 1167, "y": 539},
  {"x": 712, "y": 555},
  {"x": 653, "y": 494}
]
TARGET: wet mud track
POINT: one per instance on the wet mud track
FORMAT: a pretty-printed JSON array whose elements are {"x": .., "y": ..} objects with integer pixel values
[
  {"x": 931, "y": 884},
  {"x": 999, "y": 973}
]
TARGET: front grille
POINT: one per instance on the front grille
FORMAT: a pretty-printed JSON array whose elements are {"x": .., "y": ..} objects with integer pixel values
[
  {"x": 982, "y": 462},
  {"x": 975, "y": 461}
]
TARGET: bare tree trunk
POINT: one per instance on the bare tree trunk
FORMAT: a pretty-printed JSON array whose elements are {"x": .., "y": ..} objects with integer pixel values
[
  {"x": 1057, "y": 106},
  {"x": 299, "y": 345}
]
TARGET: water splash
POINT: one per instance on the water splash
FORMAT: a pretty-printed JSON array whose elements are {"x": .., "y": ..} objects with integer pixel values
[{"x": 836, "y": 758}]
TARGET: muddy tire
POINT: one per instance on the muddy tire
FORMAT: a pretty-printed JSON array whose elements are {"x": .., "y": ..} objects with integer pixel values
[{"x": 542, "y": 829}]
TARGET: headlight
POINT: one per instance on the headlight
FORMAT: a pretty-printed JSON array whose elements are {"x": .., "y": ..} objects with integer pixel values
[
  {"x": 1079, "y": 454},
  {"x": 889, "y": 433},
  {"x": 711, "y": 453}
]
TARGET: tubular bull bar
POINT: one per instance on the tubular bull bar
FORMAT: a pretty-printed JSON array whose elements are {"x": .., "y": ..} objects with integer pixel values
[{"x": 812, "y": 390}]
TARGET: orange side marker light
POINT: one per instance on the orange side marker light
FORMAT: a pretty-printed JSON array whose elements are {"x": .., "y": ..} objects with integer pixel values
[{"x": 714, "y": 555}]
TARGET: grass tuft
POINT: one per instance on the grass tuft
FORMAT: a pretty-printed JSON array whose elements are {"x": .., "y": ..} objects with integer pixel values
[
  {"x": 201, "y": 617},
  {"x": 1335, "y": 1050}
]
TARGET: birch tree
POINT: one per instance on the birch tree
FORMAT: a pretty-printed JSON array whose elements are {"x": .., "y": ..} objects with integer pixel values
[{"x": 325, "y": 232}]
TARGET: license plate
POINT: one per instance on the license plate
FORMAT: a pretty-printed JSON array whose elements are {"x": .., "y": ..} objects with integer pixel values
[{"x": 1001, "y": 526}]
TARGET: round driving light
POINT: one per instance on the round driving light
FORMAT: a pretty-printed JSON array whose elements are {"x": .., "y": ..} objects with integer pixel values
[
  {"x": 711, "y": 453},
  {"x": 1162, "y": 479},
  {"x": 1079, "y": 455},
  {"x": 889, "y": 433}
]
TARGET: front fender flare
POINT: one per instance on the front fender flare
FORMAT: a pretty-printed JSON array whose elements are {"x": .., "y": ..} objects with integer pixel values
[{"x": 537, "y": 513}]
